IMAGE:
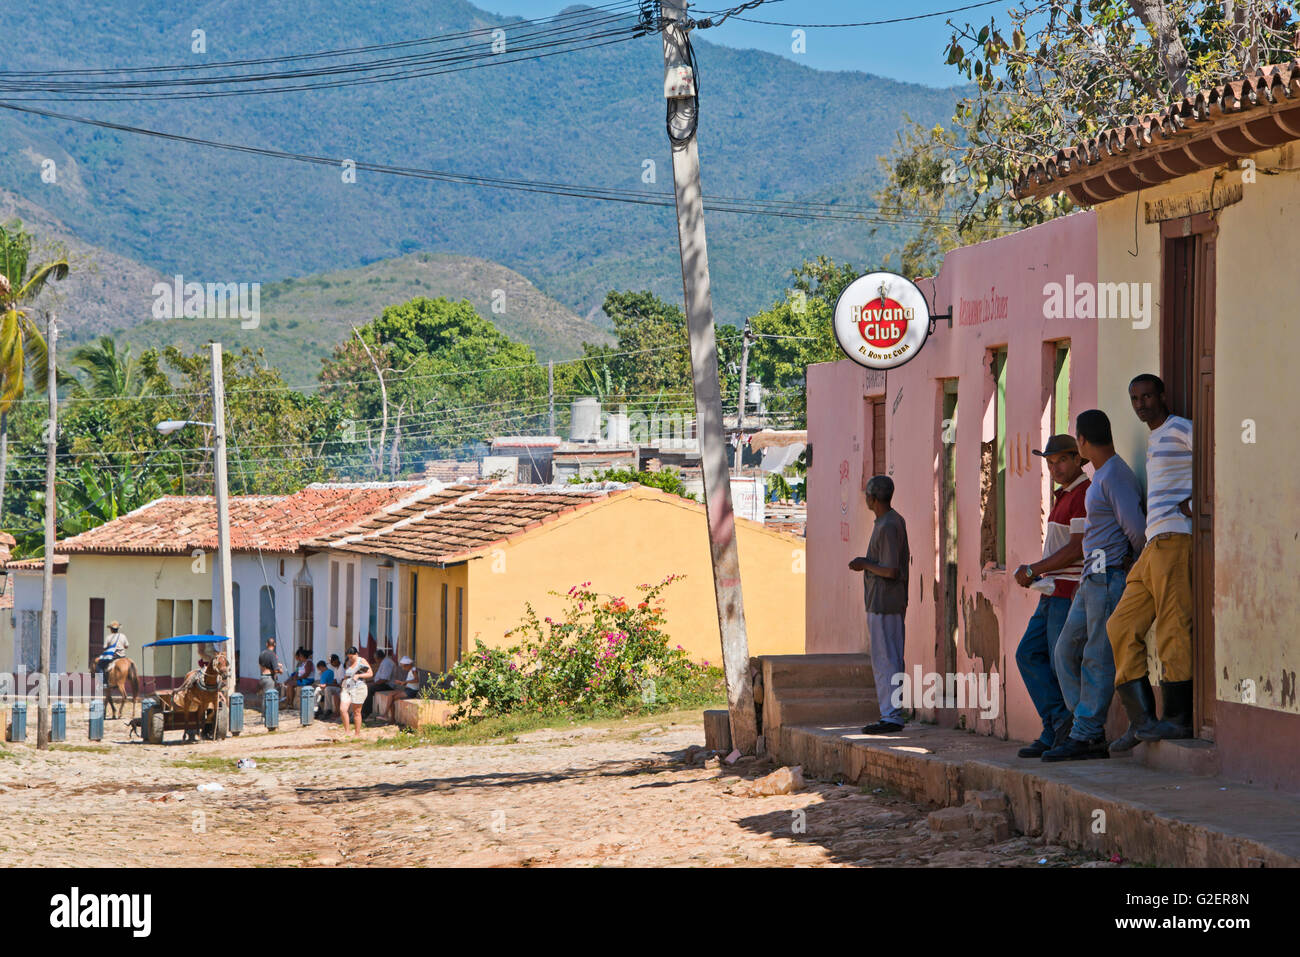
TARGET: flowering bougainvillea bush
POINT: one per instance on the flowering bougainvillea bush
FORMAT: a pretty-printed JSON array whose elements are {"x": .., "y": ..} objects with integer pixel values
[{"x": 604, "y": 654}]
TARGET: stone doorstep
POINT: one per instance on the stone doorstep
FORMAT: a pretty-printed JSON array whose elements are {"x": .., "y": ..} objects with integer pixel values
[
  {"x": 1108, "y": 806},
  {"x": 1191, "y": 756}
]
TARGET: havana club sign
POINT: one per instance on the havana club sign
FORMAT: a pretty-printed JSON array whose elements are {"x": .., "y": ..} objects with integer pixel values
[{"x": 881, "y": 320}]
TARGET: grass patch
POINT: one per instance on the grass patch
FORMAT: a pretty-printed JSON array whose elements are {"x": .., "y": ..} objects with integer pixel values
[
  {"x": 508, "y": 727},
  {"x": 228, "y": 764},
  {"x": 94, "y": 748},
  {"x": 206, "y": 764},
  {"x": 6, "y": 754}
]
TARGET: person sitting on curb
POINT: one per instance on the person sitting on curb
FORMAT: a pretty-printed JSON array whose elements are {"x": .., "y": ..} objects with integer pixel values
[
  {"x": 1159, "y": 587},
  {"x": 1112, "y": 530},
  {"x": 1056, "y": 578},
  {"x": 884, "y": 585}
]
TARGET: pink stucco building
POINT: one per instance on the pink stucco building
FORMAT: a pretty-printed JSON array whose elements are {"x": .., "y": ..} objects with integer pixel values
[{"x": 954, "y": 428}]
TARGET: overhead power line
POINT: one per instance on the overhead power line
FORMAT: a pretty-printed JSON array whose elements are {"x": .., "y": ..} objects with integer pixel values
[
  {"x": 783, "y": 209},
  {"x": 534, "y": 44},
  {"x": 859, "y": 23},
  {"x": 585, "y": 11}
]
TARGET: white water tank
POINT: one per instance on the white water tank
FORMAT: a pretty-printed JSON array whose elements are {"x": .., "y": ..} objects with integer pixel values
[
  {"x": 618, "y": 429},
  {"x": 584, "y": 420}
]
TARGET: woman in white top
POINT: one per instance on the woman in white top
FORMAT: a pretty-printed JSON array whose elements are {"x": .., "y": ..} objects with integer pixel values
[{"x": 353, "y": 690}]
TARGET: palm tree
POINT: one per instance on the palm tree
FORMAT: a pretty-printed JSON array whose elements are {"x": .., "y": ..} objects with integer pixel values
[
  {"x": 110, "y": 374},
  {"x": 21, "y": 343}
]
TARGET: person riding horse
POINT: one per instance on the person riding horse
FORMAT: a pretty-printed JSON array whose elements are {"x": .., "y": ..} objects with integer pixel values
[{"x": 114, "y": 648}]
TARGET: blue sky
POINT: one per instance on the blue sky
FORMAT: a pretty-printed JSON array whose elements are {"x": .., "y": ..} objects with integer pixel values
[{"x": 912, "y": 51}]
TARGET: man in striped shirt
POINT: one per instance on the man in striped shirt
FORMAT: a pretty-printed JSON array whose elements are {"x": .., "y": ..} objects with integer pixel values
[
  {"x": 1159, "y": 586},
  {"x": 1055, "y": 577}
]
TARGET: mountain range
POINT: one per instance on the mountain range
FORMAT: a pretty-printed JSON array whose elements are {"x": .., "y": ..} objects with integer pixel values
[{"x": 769, "y": 129}]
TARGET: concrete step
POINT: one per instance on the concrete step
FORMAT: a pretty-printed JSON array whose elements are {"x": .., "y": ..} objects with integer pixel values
[
  {"x": 829, "y": 691},
  {"x": 816, "y": 671},
  {"x": 821, "y": 711},
  {"x": 1186, "y": 756}
]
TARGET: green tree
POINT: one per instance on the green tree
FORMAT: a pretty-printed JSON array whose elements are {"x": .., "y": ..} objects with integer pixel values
[
  {"x": 1042, "y": 82},
  {"x": 666, "y": 480},
  {"x": 649, "y": 366},
  {"x": 280, "y": 440},
  {"x": 110, "y": 373},
  {"x": 21, "y": 344},
  {"x": 89, "y": 496},
  {"x": 431, "y": 373},
  {"x": 793, "y": 334}
]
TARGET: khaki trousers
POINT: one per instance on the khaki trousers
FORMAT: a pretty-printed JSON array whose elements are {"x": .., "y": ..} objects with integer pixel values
[{"x": 1158, "y": 589}]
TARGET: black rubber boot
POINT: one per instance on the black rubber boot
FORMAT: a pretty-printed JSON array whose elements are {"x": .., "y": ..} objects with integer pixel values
[
  {"x": 1177, "y": 722},
  {"x": 1140, "y": 703}
]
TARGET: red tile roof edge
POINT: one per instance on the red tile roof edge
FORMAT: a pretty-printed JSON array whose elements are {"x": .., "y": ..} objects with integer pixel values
[{"x": 1267, "y": 86}]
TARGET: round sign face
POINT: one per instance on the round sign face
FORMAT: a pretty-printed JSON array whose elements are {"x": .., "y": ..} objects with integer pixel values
[{"x": 881, "y": 320}]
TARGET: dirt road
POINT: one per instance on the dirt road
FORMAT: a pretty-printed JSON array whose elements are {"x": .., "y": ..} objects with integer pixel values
[{"x": 589, "y": 795}]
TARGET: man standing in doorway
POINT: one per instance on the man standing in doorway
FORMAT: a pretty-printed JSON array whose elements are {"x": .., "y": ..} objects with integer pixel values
[
  {"x": 1159, "y": 588},
  {"x": 1056, "y": 577},
  {"x": 1112, "y": 533},
  {"x": 884, "y": 569}
]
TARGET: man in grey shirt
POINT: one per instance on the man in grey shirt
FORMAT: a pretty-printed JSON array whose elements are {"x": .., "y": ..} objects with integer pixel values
[
  {"x": 884, "y": 587},
  {"x": 1114, "y": 530}
]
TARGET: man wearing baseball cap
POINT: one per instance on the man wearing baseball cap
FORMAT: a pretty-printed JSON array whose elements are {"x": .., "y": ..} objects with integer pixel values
[{"x": 1055, "y": 577}]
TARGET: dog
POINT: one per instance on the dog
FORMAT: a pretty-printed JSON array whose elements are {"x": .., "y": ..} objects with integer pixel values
[{"x": 135, "y": 726}]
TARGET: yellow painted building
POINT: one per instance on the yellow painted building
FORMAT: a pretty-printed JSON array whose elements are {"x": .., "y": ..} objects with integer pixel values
[
  {"x": 626, "y": 536},
  {"x": 152, "y": 596},
  {"x": 1195, "y": 223}
]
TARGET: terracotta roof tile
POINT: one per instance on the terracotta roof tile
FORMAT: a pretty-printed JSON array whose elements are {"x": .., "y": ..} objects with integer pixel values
[
  {"x": 1239, "y": 117},
  {"x": 272, "y": 523},
  {"x": 468, "y": 518}
]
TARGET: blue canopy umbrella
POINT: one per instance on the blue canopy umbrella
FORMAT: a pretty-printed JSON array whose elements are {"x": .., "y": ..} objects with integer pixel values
[{"x": 188, "y": 640}]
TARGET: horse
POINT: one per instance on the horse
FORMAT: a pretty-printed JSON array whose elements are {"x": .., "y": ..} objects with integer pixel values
[
  {"x": 202, "y": 689},
  {"x": 119, "y": 673}
]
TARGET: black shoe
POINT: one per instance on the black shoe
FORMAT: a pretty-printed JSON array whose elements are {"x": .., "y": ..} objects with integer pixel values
[
  {"x": 1177, "y": 722},
  {"x": 1140, "y": 704},
  {"x": 1059, "y": 738},
  {"x": 882, "y": 727},
  {"x": 1076, "y": 750},
  {"x": 1034, "y": 750}
]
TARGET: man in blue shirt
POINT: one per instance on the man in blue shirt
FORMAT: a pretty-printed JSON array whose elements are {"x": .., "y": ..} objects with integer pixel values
[{"x": 1114, "y": 531}]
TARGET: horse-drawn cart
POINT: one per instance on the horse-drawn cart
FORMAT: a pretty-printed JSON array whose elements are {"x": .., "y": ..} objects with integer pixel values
[{"x": 199, "y": 706}]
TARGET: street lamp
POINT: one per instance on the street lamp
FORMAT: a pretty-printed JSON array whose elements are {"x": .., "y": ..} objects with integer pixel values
[
  {"x": 218, "y": 426},
  {"x": 175, "y": 425}
]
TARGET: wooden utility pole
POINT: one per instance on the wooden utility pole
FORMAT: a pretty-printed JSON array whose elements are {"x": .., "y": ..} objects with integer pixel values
[
  {"x": 223, "y": 509},
  {"x": 47, "y": 577},
  {"x": 744, "y": 383},
  {"x": 680, "y": 90}
]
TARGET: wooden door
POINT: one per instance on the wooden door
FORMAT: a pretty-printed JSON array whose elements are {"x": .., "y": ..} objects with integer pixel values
[
  {"x": 95, "y": 644},
  {"x": 1187, "y": 367}
]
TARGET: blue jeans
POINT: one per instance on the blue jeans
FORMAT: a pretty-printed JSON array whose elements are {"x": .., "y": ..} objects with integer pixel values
[
  {"x": 1085, "y": 665},
  {"x": 1034, "y": 658}
]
